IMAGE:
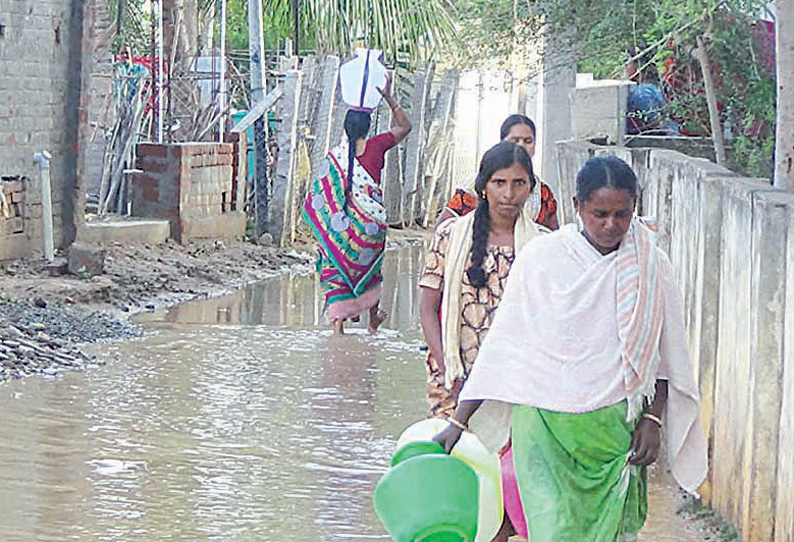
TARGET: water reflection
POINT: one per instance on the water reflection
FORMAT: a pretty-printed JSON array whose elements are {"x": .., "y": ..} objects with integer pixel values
[
  {"x": 240, "y": 418},
  {"x": 298, "y": 301}
]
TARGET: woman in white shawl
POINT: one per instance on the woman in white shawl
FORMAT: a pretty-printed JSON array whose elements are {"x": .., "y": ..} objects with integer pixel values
[{"x": 585, "y": 362}]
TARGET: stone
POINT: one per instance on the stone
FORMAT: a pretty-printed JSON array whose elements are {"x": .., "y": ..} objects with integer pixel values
[
  {"x": 266, "y": 240},
  {"x": 60, "y": 266},
  {"x": 86, "y": 259},
  {"x": 11, "y": 332}
]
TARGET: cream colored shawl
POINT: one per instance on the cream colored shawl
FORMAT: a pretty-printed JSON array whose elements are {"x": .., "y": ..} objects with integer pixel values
[
  {"x": 457, "y": 260},
  {"x": 567, "y": 338}
]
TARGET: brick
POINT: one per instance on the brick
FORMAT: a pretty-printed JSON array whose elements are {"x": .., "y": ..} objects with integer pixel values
[
  {"x": 18, "y": 197},
  {"x": 152, "y": 149},
  {"x": 144, "y": 179},
  {"x": 12, "y": 225},
  {"x": 13, "y": 186},
  {"x": 152, "y": 163},
  {"x": 15, "y": 246}
]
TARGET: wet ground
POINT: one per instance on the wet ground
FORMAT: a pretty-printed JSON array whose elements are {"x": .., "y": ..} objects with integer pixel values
[{"x": 234, "y": 419}]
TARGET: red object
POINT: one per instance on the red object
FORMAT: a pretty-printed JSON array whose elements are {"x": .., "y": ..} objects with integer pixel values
[
  {"x": 510, "y": 494},
  {"x": 151, "y": 64},
  {"x": 463, "y": 203},
  {"x": 548, "y": 205},
  {"x": 373, "y": 158}
]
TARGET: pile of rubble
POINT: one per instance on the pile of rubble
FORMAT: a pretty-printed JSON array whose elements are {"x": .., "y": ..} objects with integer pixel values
[{"x": 29, "y": 350}]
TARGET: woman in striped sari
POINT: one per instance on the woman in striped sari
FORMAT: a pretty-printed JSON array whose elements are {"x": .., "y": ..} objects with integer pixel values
[
  {"x": 585, "y": 362},
  {"x": 344, "y": 209}
]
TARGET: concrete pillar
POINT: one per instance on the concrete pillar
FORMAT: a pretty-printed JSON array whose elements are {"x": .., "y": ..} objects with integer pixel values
[
  {"x": 732, "y": 404},
  {"x": 704, "y": 329},
  {"x": 553, "y": 117},
  {"x": 769, "y": 240},
  {"x": 568, "y": 164},
  {"x": 784, "y": 516}
]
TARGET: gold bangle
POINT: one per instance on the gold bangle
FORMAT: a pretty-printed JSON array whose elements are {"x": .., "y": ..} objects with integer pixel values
[
  {"x": 458, "y": 424},
  {"x": 654, "y": 418}
]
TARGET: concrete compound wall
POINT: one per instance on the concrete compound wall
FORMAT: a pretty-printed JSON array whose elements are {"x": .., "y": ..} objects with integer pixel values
[
  {"x": 598, "y": 107},
  {"x": 731, "y": 241},
  {"x": 192, "y": 185}
]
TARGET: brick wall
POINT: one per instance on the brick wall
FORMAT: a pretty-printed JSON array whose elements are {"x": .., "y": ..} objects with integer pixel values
[
  {"x": 36, "y": 47},
  {"x": 239, "y": 142},
  {"x": 95, "y": 109},
  {"x": 12, "y": 214},
  {"x": 191, "y": 185}
]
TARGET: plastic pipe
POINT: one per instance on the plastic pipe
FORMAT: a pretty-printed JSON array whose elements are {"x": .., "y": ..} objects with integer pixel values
[{"x": 42, "y": 159}]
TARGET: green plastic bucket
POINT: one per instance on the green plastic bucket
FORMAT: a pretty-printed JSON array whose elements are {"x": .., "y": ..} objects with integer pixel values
[
  {"x": 413, "y": 449},
  {"x": 429, "y": 498}
]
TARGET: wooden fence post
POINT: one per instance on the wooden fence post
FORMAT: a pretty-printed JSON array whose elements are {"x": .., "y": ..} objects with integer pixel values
[
  {"x": 323, "y": 122},
  {"x": 392, "y": 175},
  {"x": 411, "y": 197},
  {"x": 439, "y": 148},
  {"x": 283, "y": 188}
]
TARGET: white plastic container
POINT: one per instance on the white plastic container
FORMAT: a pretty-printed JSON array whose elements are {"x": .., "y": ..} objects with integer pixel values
[{"x": 361, "y": 77}]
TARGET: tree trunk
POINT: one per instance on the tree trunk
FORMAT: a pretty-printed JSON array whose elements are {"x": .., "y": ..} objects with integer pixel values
[
  {"x": 180, "y": 48},
  {"x": 183, "y": 13},
  {"x": 711, "y": 99},
  {"x": 784, "y": 139}
]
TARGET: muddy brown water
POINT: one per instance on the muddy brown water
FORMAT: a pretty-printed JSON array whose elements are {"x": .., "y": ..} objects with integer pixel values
[{"x": 235, "y": 419}]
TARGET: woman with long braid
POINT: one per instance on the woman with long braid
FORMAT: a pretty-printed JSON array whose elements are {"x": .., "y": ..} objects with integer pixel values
[
  {"x": 345, "y": 212},
  {"x": 466, "y": 270},
  {"x": 518, "y": 129}
]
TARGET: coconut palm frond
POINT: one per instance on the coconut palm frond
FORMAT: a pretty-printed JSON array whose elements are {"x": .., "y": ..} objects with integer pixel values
[{"x": 394, "y": 26}]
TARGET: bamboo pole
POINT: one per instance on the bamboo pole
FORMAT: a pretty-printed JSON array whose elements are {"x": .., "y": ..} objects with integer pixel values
[{"x": 222, "y": 90}]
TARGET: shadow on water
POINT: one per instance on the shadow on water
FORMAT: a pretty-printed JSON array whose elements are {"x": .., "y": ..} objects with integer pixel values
[{"x": 239, "y": 418}]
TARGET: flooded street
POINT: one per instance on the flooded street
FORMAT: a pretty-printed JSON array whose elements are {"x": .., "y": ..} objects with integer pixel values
[{"x": 235, "y": 419}]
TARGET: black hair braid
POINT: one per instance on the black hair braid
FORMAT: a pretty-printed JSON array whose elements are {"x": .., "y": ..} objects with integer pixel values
[
  {"x": 351, "y": 163},
  {"x": 479, "y": 246},
  {"x": 500, "y": 156},
  {"x": 356, "y": 127}
]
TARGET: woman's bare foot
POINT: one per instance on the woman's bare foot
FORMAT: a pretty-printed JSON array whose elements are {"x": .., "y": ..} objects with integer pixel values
[
  {"x": 339, "y": 327},
  {"x": 376, "y": 318},
  {"x": 505, "y": 531}
]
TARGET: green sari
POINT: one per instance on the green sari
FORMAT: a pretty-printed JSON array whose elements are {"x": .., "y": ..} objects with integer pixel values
[{"x": 573, "y": 475}]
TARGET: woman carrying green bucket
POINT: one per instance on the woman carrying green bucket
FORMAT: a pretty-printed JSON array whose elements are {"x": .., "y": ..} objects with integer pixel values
[{"x": 585, "y": 362}]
